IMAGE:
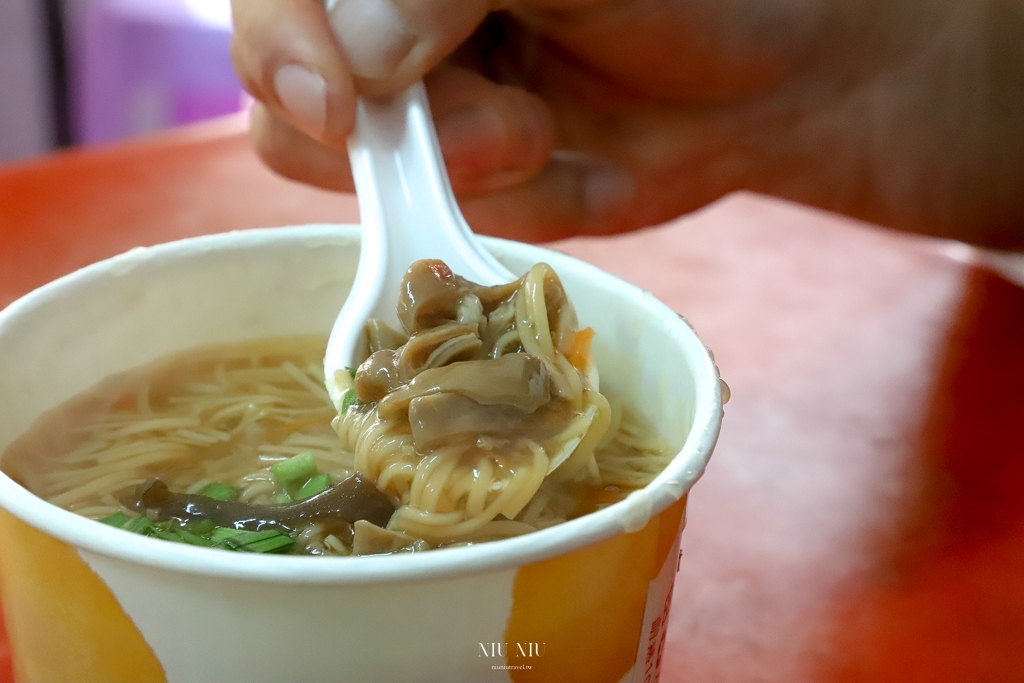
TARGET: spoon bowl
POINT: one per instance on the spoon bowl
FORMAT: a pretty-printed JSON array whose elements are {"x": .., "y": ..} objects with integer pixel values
[{"x": 408, "y": 213}]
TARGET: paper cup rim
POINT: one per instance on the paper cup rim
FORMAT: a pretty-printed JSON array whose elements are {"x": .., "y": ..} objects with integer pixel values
[{"x": 625, "y": 516}]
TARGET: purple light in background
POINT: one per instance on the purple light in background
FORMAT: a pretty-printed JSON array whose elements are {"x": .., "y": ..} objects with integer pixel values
[
  {"x": 143, "y": 65},
  {"x": 214, "y": 13}
]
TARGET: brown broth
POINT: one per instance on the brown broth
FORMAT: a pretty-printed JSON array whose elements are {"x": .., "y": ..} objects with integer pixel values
[{"x": 48, "y": 449}]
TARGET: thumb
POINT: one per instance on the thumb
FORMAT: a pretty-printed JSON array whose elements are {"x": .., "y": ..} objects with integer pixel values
[{"x": 392, "y": 43}]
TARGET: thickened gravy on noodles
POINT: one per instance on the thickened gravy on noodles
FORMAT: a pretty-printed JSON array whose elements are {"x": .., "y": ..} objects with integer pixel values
[{"x": 479, "y": 419}]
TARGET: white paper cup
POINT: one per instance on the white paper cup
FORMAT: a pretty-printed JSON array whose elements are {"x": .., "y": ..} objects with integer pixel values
[{"x": 86, "y": 603}]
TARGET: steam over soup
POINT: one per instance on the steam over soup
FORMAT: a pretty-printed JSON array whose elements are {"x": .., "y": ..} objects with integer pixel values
[{"x": 479, "y": 419}]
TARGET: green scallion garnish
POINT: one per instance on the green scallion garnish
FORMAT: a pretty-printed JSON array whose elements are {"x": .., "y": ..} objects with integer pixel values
[
  {"x": 138, "y": 525},
  {"x": 219, "y": 491},
  {"x": 117, "y": 519},
  {"x": 295, "y": 469},
  {"x": 187, "y": 536},
  {"x": 268, "y": 541},
  {"x": 221, "y": 534},
  {"x": 203, "y": 527},
  {"x": 205, "y": 534},
  {"x": 349, "y": 400},
  {"x": 315, "y": 485},
  {"x": 274, "y": 544}
]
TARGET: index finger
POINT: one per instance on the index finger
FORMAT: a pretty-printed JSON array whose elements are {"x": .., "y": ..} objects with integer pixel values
[
  {"x": 287, "y": 56},
  {"x": 391, "y": 44}
]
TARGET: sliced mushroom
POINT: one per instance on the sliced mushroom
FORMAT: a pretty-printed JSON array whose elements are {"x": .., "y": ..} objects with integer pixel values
[
  {"x": 377, "y": 376},
  {"x": 370, "y": 539},
  {"x": 447, "y": 343},
  {"x": 431, "y": 294},
  {"x": 515, "y": 379},
  {"x": 439, "y": 419},
  {"x": 380, "y": 335}
]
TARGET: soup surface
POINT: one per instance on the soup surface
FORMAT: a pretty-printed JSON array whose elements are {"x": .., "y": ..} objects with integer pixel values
[{"x": 480, "y": 419}]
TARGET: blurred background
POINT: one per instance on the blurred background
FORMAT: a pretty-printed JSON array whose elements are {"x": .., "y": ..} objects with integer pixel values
[
  {"x": 82, "y": 72},
  {"x": 87, "y": 72}
]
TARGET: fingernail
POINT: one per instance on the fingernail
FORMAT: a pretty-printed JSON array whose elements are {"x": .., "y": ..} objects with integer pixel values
[
  {"x": 608, "y": 191},
  {"x": 374, "y": 34},
  {"x": 304, "y": 95}
]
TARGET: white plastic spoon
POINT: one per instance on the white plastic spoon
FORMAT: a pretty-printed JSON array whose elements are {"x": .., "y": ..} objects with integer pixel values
[{"x": 408, "y": 213}]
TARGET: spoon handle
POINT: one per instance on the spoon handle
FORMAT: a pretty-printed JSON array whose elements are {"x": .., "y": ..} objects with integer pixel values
[{"x": 407, "y": 207}]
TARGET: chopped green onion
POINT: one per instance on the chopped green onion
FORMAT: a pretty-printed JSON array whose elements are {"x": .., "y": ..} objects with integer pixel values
[
  {"x": 314, "y": 486},
  {"x": 222, "y": 533},
  {"x": 219, "y": 491},
  {"x": 167, "y": 526},
  {"x": 244, "y": 537},
  {"x": 117, "y": 519},
  {"x": 274, "y": 544},
  {"x": 268, "y": 541},
  {"x": 203, "y": 527},
  {"x": 138, "y": 525},
  {"x": 351, "y": 371},
  {"x": 349, "y": 400},
  {"x": 205, "y": 534},
  {"x": 295, "y": 469},
  {"x": 283, "y": 498},
  {"x": 166, "y": 530},
  {"x": 194, "y": 539}
]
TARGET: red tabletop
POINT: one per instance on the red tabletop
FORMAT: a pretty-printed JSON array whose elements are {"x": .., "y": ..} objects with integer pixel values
[{"x": 861, "y": 519}]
